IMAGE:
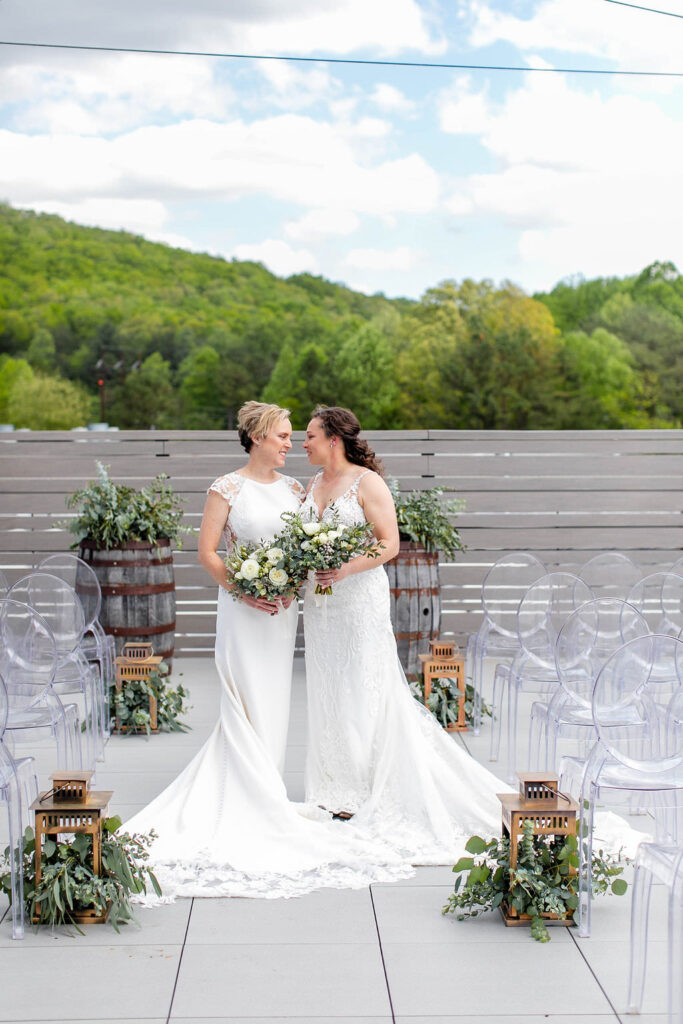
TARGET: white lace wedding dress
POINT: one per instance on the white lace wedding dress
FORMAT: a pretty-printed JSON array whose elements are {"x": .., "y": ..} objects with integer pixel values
[
  {"x": 225, "y": 826},
  {"x": 372, "y": 748}
]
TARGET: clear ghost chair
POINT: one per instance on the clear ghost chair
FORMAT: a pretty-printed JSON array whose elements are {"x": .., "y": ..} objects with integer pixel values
[
  {"x": 59, "y": 605},
  {"x": 637, "y": 716},
  {"x": 586, "y": 640},
  {"x": 28, "y": 660},
  {"x": 18, "y": 788},
  {"x": 659, "y": 597},
  {"x": 542, "y": 612},
  {"x": 4, "y": 585},
  {"x": 665, "y": 865},
  {"x": 96, "y": 645},
  {"x": 504, "y": 586},
  {"x": 610, "y": 574}
]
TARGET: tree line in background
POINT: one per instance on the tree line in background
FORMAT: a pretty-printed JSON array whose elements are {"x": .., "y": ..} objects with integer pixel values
[{"x": 98, "y": 323}]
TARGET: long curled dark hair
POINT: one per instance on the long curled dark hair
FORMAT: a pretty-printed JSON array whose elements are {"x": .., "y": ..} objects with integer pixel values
[{"x": 341, "y": 423}]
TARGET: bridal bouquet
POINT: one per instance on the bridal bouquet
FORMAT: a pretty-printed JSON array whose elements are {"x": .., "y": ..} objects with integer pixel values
[
  {"x": 311, "y": 544},
  {"x": 259, "y": 571}
]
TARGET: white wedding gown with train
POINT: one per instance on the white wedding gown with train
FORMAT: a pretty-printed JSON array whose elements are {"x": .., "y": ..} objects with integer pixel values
[
  {"x": 372, "y": 748},
  {"x": 225, "y": 826}
]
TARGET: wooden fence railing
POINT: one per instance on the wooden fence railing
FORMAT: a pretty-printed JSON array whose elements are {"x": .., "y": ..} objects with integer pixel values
[{"x": 562, "y": 495}]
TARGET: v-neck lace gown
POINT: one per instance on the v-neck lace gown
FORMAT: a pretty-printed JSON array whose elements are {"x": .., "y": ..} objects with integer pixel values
[{"x": 372, "y": 749}]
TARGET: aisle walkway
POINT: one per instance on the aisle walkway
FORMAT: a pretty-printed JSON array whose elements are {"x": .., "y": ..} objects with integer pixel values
[{"x": 365, "y": 957}]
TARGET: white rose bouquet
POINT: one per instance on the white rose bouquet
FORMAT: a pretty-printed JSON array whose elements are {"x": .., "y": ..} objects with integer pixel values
[
  {"x": 312, "y": 544},
  {"x": 260, "y": 571}
]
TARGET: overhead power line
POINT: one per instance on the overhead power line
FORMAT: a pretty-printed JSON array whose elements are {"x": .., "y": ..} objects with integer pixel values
[
  {"x": 639, "y": 7},
  {"x": 340, "y": 60}
]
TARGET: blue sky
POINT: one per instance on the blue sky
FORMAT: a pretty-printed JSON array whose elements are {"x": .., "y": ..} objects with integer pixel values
[{"x": 388, "y": 179}]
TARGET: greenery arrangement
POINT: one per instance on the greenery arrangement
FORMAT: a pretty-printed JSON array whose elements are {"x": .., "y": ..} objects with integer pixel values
[
  {"x": 444, "y": 700},
  {"x": 130, "y": 704},
  {"x": 423, "y": 518},
  {"x": 181, "y": 340},
  {"x": 541, "y": 883},
  {"x": 68, "y": 883},
  {"x": 110, "y": 514}
]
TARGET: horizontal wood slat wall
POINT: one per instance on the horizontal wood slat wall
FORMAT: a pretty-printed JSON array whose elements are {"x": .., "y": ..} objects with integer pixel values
[{"x": 562, "y": 495}]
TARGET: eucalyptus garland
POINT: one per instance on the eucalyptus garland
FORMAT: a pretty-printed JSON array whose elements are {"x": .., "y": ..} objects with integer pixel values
[
  {"x": 130, "y": 704},
  {"x": 68, "y": 883},
  {"x": 444, "y": 700},
  {"x": 544, "y": 880}
]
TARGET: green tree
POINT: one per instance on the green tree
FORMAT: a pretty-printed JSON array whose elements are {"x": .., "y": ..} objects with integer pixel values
[
  {"x": 13, "y": 373},
  {"x": 146, "y": 398},
  {"x": 364, "y": 374},
  {"x": 42, "y": 352},
  {"x": 49, "y": 403}
]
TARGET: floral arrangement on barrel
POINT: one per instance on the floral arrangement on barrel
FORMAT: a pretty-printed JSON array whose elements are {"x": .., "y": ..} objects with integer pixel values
[
  {"x": 110, "y": 515},
  {"x": 277, "y": 571},
  {"x": 544, "y": 881},
  {"x": 68, "y": 884},
  {"x": 422, "y": 518}
]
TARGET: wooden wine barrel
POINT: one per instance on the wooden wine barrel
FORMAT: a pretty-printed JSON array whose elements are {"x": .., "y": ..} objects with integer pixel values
[
  {"x": 415, "y": 602},
  {"x": 138, "y": 593}
]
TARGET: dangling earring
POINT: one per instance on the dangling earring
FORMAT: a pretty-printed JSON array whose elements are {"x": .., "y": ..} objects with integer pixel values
[{"x": 257, "y": 443}]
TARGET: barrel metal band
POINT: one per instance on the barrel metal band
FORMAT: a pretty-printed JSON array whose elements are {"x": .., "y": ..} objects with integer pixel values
[
  {"x": 131, "y": 590},
  {"x": 139, "y": 630},
  {"x": 147, "y": 564}
]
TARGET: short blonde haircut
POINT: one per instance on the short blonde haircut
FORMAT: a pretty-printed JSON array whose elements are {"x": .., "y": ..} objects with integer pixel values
[{"x": 256, "y": 420}]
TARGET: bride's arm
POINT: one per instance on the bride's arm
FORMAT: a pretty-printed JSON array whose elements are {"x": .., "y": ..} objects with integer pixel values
[
  {"x": 376, "y": 501},
  {"x": 216, "y": 511}
]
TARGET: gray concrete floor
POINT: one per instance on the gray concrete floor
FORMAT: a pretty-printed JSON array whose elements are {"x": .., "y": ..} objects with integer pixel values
[{"x": 374, "y": 956}]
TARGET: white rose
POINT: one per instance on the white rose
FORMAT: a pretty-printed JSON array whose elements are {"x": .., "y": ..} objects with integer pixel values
[
  {"x": 275, "y": 554},
  {"x": 249, "y": 569},
  {"x": 278, "y": 576},
  {"x": 311, "y": 528},
  {"x": 323, "y": 538},
  {"x": 238, "y": 575},
  {"x": 305, "y": 545},
  {"x": 333, "y": 534}
]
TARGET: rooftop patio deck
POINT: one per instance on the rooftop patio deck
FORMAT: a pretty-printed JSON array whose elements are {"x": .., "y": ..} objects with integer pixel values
[{"x": 370, "y": 956}]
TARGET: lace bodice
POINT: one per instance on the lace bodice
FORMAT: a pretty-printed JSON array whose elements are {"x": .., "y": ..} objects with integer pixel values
[
  {"x": 346, "y": 507},
  {"x": 254, "y": 508}
]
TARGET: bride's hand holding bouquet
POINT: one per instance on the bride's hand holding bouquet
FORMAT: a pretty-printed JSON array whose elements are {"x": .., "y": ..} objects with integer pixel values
[
  {"x": 324, "y": 546},
  {"x": 257, "y": 574}
]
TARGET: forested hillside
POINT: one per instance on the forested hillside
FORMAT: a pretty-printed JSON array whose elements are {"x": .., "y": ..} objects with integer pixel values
[{"x": 95, "y": 321}]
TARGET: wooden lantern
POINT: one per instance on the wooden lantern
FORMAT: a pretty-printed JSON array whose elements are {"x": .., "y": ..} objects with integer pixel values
[
  {"x": 56, "y": 816},
  {"x": 138, "y": 661},
  {"x": 71, "y": 786},
  {"x": 444, "y": 661},
  {"x": 552, "y": 813}
]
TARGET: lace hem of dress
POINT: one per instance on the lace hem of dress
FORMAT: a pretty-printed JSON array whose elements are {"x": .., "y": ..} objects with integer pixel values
[{"x": 202, "y": 877}]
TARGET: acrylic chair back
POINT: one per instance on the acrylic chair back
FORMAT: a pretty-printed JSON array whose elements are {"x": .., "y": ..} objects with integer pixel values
[
  {"x": 588, "y": 638},
  {"x": 28, "y": 654},
  {"x": 504, "y": 586},
  {"x": 543, "y": 611},
  {"x": 57, "y": 603},
  {"x": 81, "y": 578},
  {"x": 610, "y": 574},
  {"x": 659, "y": 597},
  {"x": 637, "y": 713}
]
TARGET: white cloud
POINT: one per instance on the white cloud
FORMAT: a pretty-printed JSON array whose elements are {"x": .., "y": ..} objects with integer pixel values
[
  {"x": 591, "y": 181},
  {"x": 244, "y": 26},
  {"x": 278, "y": 256},
  {"x": 319, "y": 224},
  {"x": 392, "y": 100},
  {"x": 294, "y": 88},
  {"x": 107, "y": 94},
  {"x": 289, "y": 158},
  {"x": 402, "y": 258},
  {"x": 630, "y": 38}
]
